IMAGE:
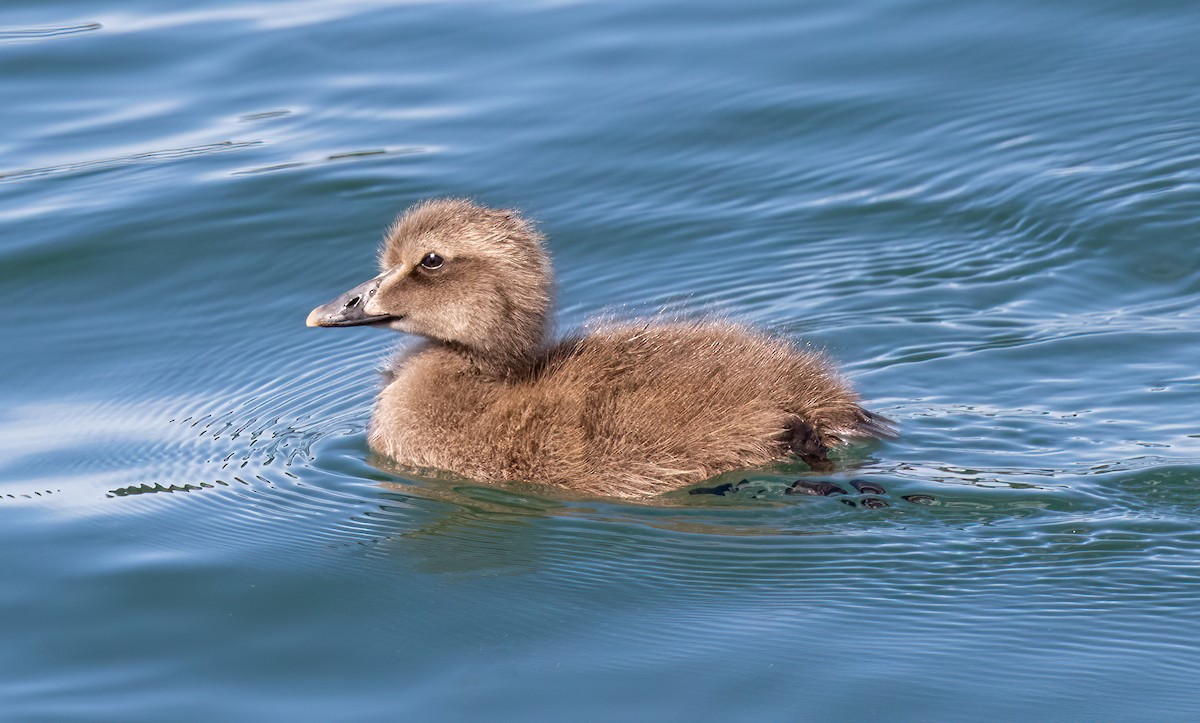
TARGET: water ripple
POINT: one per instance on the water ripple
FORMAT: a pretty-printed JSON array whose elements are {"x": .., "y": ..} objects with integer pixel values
[
  {"x": 18, "y": 34},
  {"x": 107, "y": 164}
]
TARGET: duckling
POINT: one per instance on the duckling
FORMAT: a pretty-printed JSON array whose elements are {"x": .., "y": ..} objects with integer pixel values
[{"x": 627, "y": 410}]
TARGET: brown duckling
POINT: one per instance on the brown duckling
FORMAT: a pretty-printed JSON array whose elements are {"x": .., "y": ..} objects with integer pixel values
[{"x": 627, "y": 410}]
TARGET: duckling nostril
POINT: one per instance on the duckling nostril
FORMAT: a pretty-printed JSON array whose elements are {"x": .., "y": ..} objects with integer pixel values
[{"x": 353, "y": 302}]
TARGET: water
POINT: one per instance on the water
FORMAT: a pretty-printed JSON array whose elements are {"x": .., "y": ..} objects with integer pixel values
[{"x": 986, "y": 210}]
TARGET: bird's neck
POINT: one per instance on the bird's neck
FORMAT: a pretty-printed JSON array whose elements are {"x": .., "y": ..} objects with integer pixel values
[{"x": 509, "y": 357}]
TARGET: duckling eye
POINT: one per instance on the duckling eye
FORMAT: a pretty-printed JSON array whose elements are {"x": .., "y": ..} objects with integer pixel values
[{"x": 432, "y": 261}]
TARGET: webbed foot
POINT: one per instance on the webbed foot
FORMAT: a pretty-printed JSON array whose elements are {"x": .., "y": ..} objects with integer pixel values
[
  {"x": 807, "y": 487},
  {"x": 721, "y": 490}
]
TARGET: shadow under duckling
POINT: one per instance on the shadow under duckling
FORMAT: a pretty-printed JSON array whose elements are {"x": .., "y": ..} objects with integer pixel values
[{"x": 628, "y": 410}]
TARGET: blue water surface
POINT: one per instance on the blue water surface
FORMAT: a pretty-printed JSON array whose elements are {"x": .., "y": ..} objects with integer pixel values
[{"x": 986, "y": 210}]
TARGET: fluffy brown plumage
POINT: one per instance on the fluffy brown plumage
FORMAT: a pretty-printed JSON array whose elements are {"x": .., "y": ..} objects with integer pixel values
[{"x": 627, "y": 410}]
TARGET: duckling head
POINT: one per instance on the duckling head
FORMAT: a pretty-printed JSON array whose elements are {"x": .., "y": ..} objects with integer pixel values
[{"x": 459, "y": 273}]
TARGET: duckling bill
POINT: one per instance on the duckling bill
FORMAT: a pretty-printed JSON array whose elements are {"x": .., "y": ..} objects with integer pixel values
[
  {"x": 628, "y": 410},
  {"x": 347, "y": 309}
]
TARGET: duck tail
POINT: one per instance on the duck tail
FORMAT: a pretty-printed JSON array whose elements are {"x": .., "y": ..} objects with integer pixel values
[{"x": 877, "y": 426}]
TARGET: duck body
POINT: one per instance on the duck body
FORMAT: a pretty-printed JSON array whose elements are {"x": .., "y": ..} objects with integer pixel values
[{"x": 625, "y": 410}]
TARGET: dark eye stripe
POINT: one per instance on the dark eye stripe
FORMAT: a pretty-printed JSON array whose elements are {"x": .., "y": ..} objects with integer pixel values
[{"x": 432, "y": 261}]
